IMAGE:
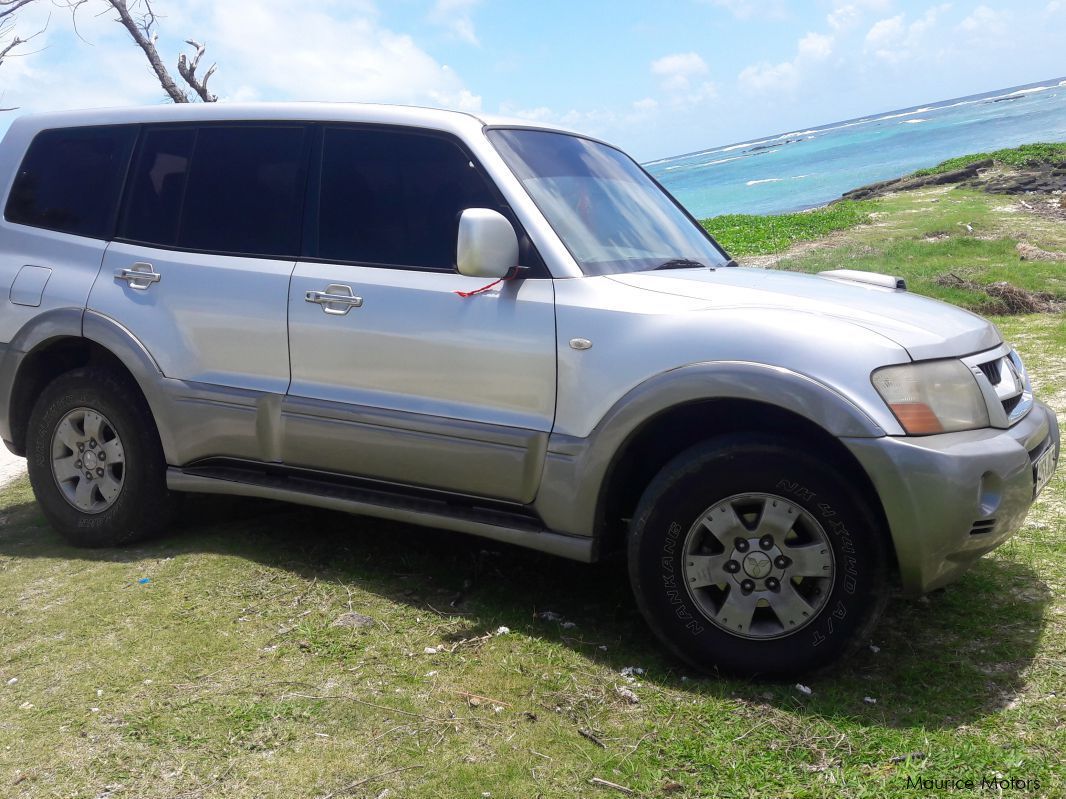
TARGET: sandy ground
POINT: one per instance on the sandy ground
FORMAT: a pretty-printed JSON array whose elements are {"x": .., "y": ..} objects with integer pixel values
[{"x": 11, "y": 466}]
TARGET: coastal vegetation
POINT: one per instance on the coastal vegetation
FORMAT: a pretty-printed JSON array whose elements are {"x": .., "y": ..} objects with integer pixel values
[{"x": 266, "y": 650}]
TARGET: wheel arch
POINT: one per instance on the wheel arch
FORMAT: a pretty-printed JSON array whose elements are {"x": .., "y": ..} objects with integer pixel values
[
  {"x": 65, "y": 342},
  {"x": 590, "y": 485}
]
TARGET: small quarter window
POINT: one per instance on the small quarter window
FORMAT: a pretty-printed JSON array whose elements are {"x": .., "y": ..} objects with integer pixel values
[
  {"x": 153, "y": 210},
  {"x": 70, "y": 180}
]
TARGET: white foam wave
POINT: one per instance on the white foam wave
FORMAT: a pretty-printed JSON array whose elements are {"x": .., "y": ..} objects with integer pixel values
[
  {"x": 764, "y": 180},
  {"x": 912, "y": 121}
]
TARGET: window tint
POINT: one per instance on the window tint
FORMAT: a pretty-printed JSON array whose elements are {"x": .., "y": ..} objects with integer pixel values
[
  {"x": 394, "y": 198},
  {"x": 244, "y": 191},
  {"x": 157, "y": 186},
  {"x": 70, "y": 180}
]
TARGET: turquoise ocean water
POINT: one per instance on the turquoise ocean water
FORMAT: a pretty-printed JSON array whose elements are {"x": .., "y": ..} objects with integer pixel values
[{"x": 805, "y": 168}]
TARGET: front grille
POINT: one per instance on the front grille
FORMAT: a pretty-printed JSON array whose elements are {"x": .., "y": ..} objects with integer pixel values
[
  {"x": 991, "y": 370},
  {"x": 1011, "y": 403}
]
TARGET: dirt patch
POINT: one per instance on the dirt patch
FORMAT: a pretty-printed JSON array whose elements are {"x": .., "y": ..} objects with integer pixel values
[
  {"x": 1030, "y": 252},
  {"x": 1007, "y": 298}
]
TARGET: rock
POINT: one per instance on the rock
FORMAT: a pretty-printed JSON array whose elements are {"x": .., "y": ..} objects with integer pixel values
[{"x": 354, "y": 620}]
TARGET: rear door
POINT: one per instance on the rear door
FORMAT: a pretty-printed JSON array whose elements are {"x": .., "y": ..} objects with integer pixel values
[
  {"x": 206, "y": 245},
  {"x": 399, "y": 378}
]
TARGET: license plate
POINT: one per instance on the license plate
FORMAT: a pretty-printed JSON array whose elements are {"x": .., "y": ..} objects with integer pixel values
[{"x": 1042, "y": 470}]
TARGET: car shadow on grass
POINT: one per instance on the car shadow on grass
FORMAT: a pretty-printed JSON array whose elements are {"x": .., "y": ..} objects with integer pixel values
[{"x": 936, "y": 662}]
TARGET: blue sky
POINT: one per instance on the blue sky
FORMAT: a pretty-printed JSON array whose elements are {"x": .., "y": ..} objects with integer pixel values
[{"x": 657, "y": 78}]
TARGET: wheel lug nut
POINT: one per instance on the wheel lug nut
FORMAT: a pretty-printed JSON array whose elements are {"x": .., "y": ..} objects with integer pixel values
[
  {"x": 81, "y": 446},
  {"x": 782, "y": 562},
  {"x": 77, "y": 464},
  {"x": 747, "y": 586},
  {"x": 741, "y": 545},
  {"x": 101, "y": 455},
  {"x": 732, "y": 566},
  {"x": 92, "y": 443},
  {"x": 88, "y": 475},
  {"x": 772, "y": 583},
  {"x": 766, "y": 542},
  {"x": 99, "y": 472}
]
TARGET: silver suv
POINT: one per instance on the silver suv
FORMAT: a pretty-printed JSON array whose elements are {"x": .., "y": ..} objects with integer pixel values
[{"x": 498, "y": 329}]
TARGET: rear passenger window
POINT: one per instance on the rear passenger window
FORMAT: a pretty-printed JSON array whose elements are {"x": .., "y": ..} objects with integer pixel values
[
  {"x": 70, "y": 180},
  {"x": 394, "y": 198},
  {"x": 233, "y": 189}
]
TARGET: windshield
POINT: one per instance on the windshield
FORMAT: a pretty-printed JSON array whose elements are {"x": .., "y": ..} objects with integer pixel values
[{"x": 610, "y": 215}]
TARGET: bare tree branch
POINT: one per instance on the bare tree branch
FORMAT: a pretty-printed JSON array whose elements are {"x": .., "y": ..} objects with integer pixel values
[
  {"x": 139, "y": 19},
  {"x": 187, "y": 70},
  {"x": 141, "y": 31},
  {"x": 9, "y": 7}
]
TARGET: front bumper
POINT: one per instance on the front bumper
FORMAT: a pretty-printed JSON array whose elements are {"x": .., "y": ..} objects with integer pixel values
[{"x": 951, "y": 498}]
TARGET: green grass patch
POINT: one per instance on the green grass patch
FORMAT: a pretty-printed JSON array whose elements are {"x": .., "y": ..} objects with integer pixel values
[
  {"x": 1023, "y": 156},
  {"x": 750, "y": 234}
]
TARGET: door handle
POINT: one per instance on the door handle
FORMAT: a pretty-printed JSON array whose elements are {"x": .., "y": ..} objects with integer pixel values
[
  {"x": 140, "y": 276},
  {"x": 337, "y": 299}
]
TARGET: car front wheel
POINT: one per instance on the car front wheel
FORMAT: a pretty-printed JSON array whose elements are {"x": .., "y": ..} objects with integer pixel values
[{"x": 750, "y": 555}]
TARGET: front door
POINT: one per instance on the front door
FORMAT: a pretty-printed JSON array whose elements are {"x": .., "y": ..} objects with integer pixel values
[{"x": 395, "y": 376}]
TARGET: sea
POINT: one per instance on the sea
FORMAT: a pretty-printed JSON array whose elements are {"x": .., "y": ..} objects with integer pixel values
[{"x": 807, "y": 168}]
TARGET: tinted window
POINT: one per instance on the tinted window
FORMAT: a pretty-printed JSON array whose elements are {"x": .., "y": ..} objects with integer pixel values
[
  {"x": 394, "y": 198},
  {"x": 244, "y": 191},
  {"x": 70, "y": 180},
  {"x": 157, "y": 186}
]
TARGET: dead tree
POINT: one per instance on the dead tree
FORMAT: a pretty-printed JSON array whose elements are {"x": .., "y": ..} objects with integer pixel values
[{"x": 139, "y": 20}]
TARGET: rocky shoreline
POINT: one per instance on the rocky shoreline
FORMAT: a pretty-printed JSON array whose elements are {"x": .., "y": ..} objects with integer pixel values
[{"x": 1043, "y": 178}]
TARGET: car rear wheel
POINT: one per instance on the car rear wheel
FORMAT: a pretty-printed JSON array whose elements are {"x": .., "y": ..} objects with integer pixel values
[
  {"x": 95, "y": 461},
  {"x": 749, "y": 555}
]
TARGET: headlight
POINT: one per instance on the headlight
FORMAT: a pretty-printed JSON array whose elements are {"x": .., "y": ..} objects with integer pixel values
[{"x": 932, "y": 396}]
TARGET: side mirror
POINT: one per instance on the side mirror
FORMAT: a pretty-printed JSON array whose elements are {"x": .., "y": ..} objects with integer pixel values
[{"x": 487, "y": 246}]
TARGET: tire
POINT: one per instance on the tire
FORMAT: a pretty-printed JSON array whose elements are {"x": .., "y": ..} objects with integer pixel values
[
  {"x": 699, "y": 532},
  {"x": 97, "y": 493}
]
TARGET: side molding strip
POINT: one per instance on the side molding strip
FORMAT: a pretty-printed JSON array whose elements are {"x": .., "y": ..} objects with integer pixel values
[{"x": 572, "y": 547}]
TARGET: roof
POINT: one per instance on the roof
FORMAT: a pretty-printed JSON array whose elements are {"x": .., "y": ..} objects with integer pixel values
[{"x": 303, "y": 111}]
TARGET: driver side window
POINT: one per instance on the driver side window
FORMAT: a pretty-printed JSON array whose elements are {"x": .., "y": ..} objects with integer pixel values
[{"x": 394, "y": 199}]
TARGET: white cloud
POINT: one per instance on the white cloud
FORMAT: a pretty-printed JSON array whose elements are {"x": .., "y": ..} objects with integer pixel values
[
  {"x": 812, "y": 49},
  {"x": 683, "y": 79},
  {"x": 1054, "y": 7},
  {"x": 332, "y": 50},
  {"x": 765, "y": 77},
  {"x": 815, "y": 46},
  {"x": 985, "y": 22},
  {"x": 753, "y": 9},
  {"x": 455, "y": 16},
  {"x": 894, "y": 41},
  {"x": 885, "y": 32},
  {"x": 317, "y": 54}
]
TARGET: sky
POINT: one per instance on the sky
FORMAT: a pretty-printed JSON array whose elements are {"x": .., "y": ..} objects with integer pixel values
[{"x": 656, "y": 78}]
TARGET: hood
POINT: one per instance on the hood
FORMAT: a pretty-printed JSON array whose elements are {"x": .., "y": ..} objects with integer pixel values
[{"x": 926, "y": 328}]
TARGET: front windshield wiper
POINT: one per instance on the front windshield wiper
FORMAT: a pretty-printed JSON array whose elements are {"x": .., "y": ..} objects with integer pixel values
[{"x": 680, "y": 263}]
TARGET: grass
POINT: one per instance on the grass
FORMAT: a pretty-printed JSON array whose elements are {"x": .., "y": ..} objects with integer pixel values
[
  {"x": 749, "y": 234},
  {"x": 1026, "y": 155},
  {"x": 209, "y": 663}
]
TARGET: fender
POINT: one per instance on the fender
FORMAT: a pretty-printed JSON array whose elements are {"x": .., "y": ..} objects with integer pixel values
[
  {"x": 57, "y": 323},
  {"x": 582, "y": 465}
]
